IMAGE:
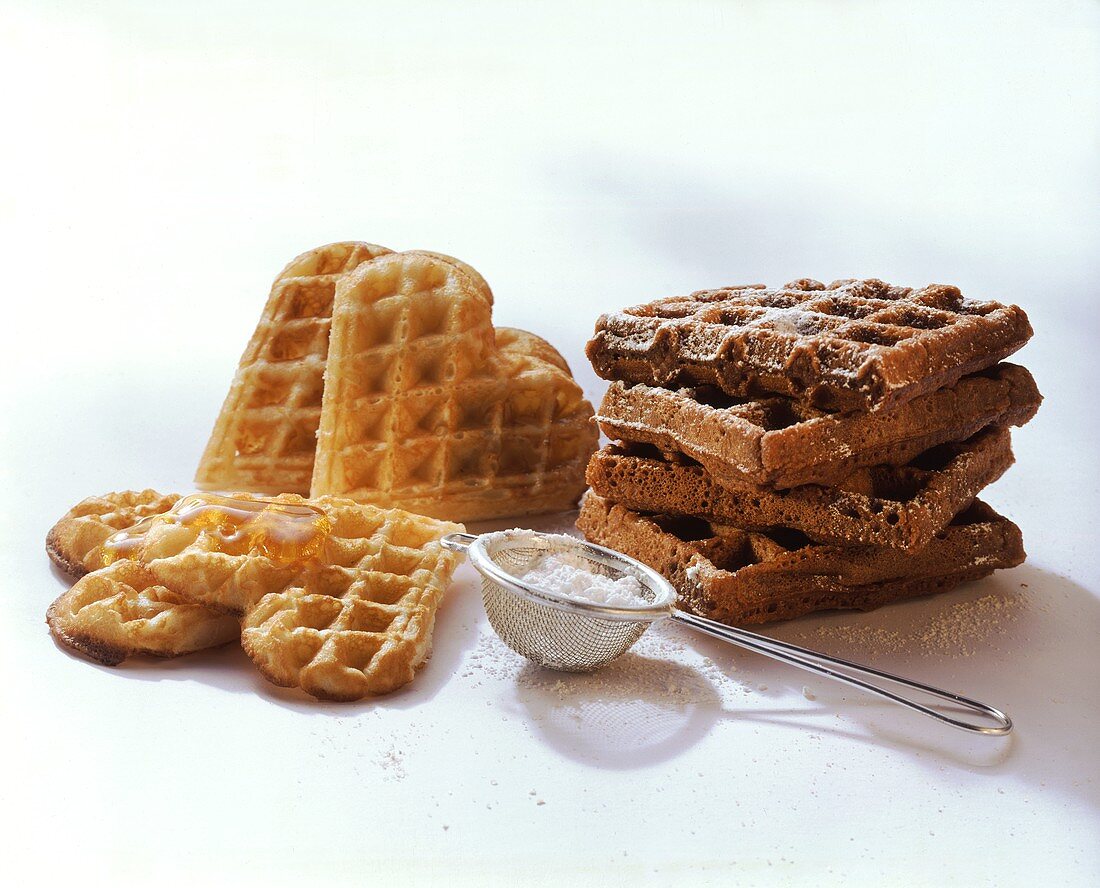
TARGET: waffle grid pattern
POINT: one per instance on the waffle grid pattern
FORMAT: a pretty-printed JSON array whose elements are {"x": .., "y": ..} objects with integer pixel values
[
  {"x": 777, "y": 442},
  {"x": 357, "y": 622},
  {"x": 361, "y": 624},
  {"x": 895, "y": 506},
  {"x": 740, "y": 577},
  {"x": 265, "y": 437},
  {"x": 852, "y": 345},
  {"x": 74, "y": 542},
  {"x": 427, "y": 409}
]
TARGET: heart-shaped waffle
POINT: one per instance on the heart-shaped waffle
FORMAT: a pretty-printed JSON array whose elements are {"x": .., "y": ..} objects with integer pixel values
[
  {"x": 266, "y": 434},
  {"x": 75, "y": 542},
  {"x": 122, "y": 611},
  {"x": 348, "y": 613},
  {"x": 427, "y": 408}
]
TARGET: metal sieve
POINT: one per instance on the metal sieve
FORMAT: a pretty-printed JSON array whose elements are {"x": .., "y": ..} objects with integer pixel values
[{"x": 561, "y": 632}]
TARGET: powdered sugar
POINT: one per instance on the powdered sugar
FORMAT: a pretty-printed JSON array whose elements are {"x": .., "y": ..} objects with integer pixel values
[
  {"x": 783, "y": 320},
  {"x": 567, "y": 574}
]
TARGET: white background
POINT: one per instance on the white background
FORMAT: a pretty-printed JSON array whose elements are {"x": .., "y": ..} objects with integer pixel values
[{"x": 160, "y": 164}]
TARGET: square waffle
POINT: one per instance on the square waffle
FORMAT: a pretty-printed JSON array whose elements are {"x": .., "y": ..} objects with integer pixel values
[
  {"x": 265, "y": 436},
  {"x": 901, "y": 507},
  {"x": 852, "y": 345},
  {"x": 740, "y": 577},
  {"x": 781, "y": 443},
  {"x": 426, "y": 407}
]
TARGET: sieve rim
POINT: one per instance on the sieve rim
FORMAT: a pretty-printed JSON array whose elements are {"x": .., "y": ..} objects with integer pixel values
[{"x": 648, "y": 613}]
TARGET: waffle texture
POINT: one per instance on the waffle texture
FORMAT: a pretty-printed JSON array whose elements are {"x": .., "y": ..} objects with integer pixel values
[
  {"x": 739, "y": 577},
  {"x": 355, "y": 621},
  {"x": 900, "y": 507},
  {"x": 851, "y": 345},
  {"x": 75, "y": 542},
  {"x": 265, "y": 437},
  {"x": 780, "y": 443},
  {"x": 121, "y": 611},
  {"x": 426, "y": 407}
]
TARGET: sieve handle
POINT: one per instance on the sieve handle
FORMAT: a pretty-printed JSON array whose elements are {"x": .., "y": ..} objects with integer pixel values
[
  {"x": 458, "y": 542},
  {"x": 823, "y": 664}
]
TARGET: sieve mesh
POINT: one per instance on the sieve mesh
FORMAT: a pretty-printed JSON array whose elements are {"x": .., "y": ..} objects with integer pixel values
[{"x": 549, "y": 636}]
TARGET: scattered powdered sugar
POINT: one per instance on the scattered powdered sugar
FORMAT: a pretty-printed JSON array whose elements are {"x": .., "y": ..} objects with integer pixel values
[
  {"x": 393, "y": 762},
  {"x": 565, "y": 573},
  {"x": 963, "y": 624},
  {"x": 960, "y": 630},
  {"x": 662, "y": 669}
]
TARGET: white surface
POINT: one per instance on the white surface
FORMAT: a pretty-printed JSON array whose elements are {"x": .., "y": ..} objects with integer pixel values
[{"x": 161, "y": 166}]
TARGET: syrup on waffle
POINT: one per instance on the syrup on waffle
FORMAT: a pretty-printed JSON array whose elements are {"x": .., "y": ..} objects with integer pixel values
[
  {"x": 351, "y": 618},
  {"x": 75, "y": 542},
  {"x": 740, "y": 577},
  {"x": 123, "y": 612},
  {"x": 781, "y": 443},
  {"x": 427, "y": 408},
  {"x": 852, "y": 345},
  {"x": 901, "y": 507}
]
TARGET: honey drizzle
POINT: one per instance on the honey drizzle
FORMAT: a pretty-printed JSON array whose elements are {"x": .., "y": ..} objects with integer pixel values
[{"x": 287, "y": 533}]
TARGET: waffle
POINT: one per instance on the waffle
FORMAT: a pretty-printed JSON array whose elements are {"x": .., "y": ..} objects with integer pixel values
[
  {"x": 354, "y": 619},
  {"x": 74, "y": 543},
  {"x": 780, "y": 443},
  {"x": 265, "y": 437},
  {"x": 427, "y": 409},
  {"x": 853, "y": 345},
  {"x": 901, "y": 507},
  {"x": 120, "y": 611},
  {"x": 740, "y": 577},
  {"x": 123, "y": 613}
]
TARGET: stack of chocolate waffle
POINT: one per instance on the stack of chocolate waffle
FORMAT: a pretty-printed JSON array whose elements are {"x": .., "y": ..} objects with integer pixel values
[{"x": 780, "y": 451}]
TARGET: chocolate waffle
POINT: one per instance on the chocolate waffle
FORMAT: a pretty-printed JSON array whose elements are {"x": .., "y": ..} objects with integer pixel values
[
  {"x": 901, "y": 507},
  {"x": 777, "y": 442},
  {"x": 851, "y": 345},
  {"x": 740, "y": 577}
]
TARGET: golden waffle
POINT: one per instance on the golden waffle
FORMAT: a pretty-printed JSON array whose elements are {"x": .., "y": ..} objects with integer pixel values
[
  {"x": 120, "y": 611},
  {"x": 345, "y": 613},
  {"x": 266, "y": 434},
  {"x": 740, "y": 577},
  {"x": 123, "y": 613},
  {"x": 895, "y": 506},
  {"x": 74, "y": 542},
  {"x": 852, "y": 345},
  {"x": 427, "y": 409},
  {"x": 781, "y": 443}
]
